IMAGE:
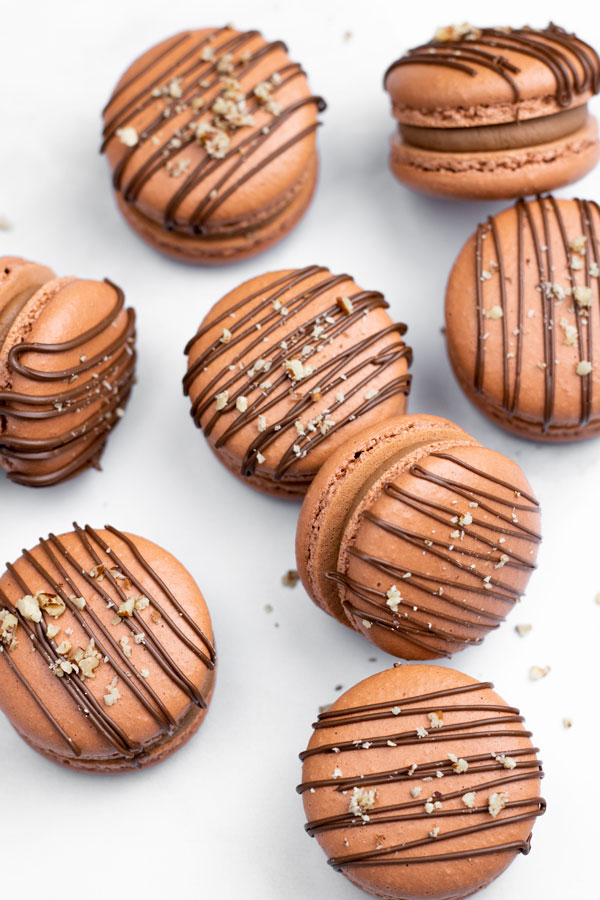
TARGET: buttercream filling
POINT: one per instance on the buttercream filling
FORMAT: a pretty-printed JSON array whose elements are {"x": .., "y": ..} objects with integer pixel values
[{"x": 507, "y": 136}]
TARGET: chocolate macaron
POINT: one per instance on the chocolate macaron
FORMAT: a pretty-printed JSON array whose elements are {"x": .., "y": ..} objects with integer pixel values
[
  {"x": 522, "y": 318},
  {"x": 288, "y": 366},
  {"x": 421, "y": 782},
  {"x": 210, "y": 136},
  {"x": 107, "y": 661},
  {"x": 66, "y": 370},
  {"x": 417, "y": 536},
  {"x": 494, "y": 112}
]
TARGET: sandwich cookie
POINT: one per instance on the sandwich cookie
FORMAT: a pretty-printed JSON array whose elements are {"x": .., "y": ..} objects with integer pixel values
[
  {"x": 494, "y": 112},
  {"x": 107, "y": 660},
  {"x": 523, "y": 319},
  {"x": 289, "y": 365},
  {"x": 210, "y": 136},
  {"x": 418, "y": 537},
  {"x": 67, "y": 365},
  {"x": 421, "y": 782}
]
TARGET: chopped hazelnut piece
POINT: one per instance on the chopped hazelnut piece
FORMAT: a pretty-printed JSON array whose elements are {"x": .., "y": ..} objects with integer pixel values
[
  {"x": 128, "y": 136},
  {"x": 361, "y": 800},
  {"x": 221, "y": 400},
  {"x": 140, "y": 601},
  {"x": 522, "y": 630},
  {"x": 496, "y": 803},
  {"x": 583, "y": 294},
  {"x": 577, "y": 245},
  {"x": 436, "y": 719},
  {"x": 8, "y": 627},
  {"x": 29, "y": 608},
  {"x": 469, "y": 799},
  {"x": 291, "y": 578},
  {"x": 51, "y": 604},
  {"x": 459, "y": 765},
  {"x": 345, "y": 304},
  {"x": 494, "y": 313},
  {"x": 537, "y": 672},
  {"x": 584, "y": 367},
  {"x": 126, "y": 608},
  {"x": 463, "y": 32},
  {"x": 112, "y": 692},
  {"x": 393, "y": 598}
]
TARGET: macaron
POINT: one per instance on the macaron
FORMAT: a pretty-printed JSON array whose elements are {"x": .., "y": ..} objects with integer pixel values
[
  {"x": 494, "y": 112},
  {"x": 421, "y": 782},
  {"x": 210, "y": 136},
  {"x": 418, "y": 537},
  {"x": 66, "y": 370},
  {"x": 288, "y": 366},
  {"x": 107, "y": 661},
  {"x": 522, "y": 324}
]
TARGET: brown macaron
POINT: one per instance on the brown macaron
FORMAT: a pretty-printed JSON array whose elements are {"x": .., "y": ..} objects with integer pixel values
[
  {"x": 418, "y": 537},
  {"x": 522, "y": 323},
  {"x": 66, "y": 370},
  {"x": 108, "y": 662},
  {"x": 211, "y": 139},
  {"x": 421, "y": 783},
  {"x": 494, "y": 112},
  {"x": 287, "y": 366}
]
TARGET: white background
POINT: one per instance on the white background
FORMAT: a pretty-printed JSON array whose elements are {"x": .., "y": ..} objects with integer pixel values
[{"x": 221, "y": 819}]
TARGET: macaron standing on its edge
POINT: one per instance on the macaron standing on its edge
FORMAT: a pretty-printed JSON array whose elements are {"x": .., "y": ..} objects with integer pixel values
[
  {"x": 287, "y": 366},
  {"x": 494, "y": 112},
  {"x": 107, "y": 660},
  {"x": 522, "y": 320},
  {"x": 210, "y": 136},
  {"x": 67, "y": 364},
  {"x": 421, "y": 782},
  {"x": 418, "y": 537}
]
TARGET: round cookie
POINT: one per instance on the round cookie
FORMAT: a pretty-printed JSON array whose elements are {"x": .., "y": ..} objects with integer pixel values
[
  {"x": 210, "y": 136},
  {"x": 494, "y": 112},
  {"x": 421, "y": 782},
  {"x": 67, "y": 365},
  {"x": 522, "y": 324},
  {"x": 287, "y": 366},
  {"x": 418, "y": 537},
  {"x": 108, "y": 662}
]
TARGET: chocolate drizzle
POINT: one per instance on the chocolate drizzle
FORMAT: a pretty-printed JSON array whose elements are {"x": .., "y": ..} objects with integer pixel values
[
  {"x": 458, "y": 595},
  {"x": 293, "y": 336},
  {"x": 68, "y": 576},
  {"x": 172, "y": 130},
  {"x": 552, "y": 221},
  {"x": 482, "y": 48},
  {"x": 496, "y": 722},
  {"x": 102, "y": 385}
]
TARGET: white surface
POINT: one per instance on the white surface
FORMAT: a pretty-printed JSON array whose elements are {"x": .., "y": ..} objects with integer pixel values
[{"x": 221, "y": 818}]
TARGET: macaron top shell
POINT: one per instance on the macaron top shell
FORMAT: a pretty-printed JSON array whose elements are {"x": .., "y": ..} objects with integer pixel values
[
  {"x": 424, "y": 544},
  {"x": 470, "y": 76},
  {"x": 421, "y": 783},
  {"x": 209, "y": 128},
  {"x": 522, "y": 327},
  {"x": 288, "y": 365},
  {"x": 107, "y": 645},
  {"x": 66, "y": 370}
]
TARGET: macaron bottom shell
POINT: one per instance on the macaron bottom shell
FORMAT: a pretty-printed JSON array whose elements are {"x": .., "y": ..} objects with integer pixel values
[
  {"x": 149, "y": 757},
  {"x": 497, "y": 174},
  {"x": 268, "y": 228}
]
